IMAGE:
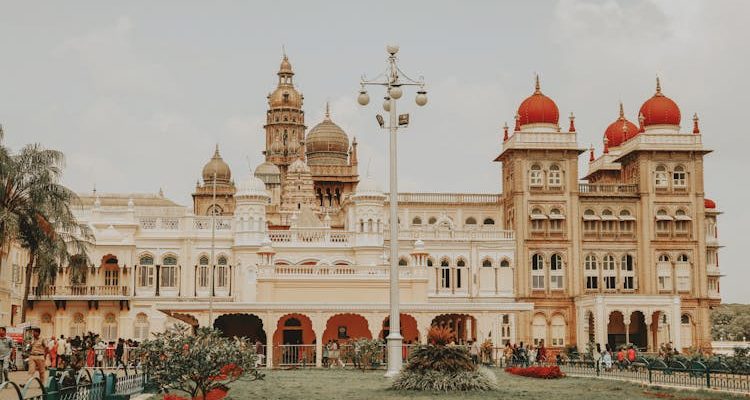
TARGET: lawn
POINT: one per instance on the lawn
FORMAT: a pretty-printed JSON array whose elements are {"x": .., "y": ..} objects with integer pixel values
[{"x": 351, "y": 385}]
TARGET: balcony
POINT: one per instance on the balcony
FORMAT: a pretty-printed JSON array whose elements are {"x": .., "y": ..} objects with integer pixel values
[
  {"x": 311, "y": 238},
  {"x": 81, "y": 292},
  {"x": 593, "y": 190},
  {"x": 335, "y": 272},
  {"x": 441, "y": 234}
]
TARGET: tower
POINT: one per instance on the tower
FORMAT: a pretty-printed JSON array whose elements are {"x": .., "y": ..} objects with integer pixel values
[
  {"x": 285, "y": 121},
  {"x": 203, "y": 197}
]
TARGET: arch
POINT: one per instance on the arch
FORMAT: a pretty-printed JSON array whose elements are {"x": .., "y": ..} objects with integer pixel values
[
  {"x": 408, "y": 325},
  {"x": 203, "y": 260},
  {"x": 432, "y": 220},
  {"x": 460, "y": 262},
  {"x": 248, "y": 326},
  {"x": 660, "y": 176},
  {"x": 403, "y": 262},
  {"x": 616, "y": 329},
  {"x": 169, "y": 259},
  {"x": 539, "y": 329},
  {"x": 345, "y": 327},
  {"x": 109, "y": 259},
  {"x": 664, "y": 257},
  {"x": 77, "y": 325},
  {"x": 487, "y": 263},
  {"x": 686, "y": 330},
  {"x": 146, "y": 259},
  {"x": 141, "y": 327},
  {"x": 504, "y": 263},
  {"x": 637, "y": 329},
  {"x": 558, "y": 328},
  {"x": 683, "y": 257},
  {"x": 294, "y": 328},
  {"x": 47, "y": 325},
  {"x": 471, "y": 221},
  {"x": 445, "y": 261},
  {"x": 430, "y": 261},
  {"x": 416, "y": 221},
  {"x": 554, "y": 176},
  {"x": 109, "y": 328},
  {"x": 488, "y": 221},
  {"x": 464, "y": 326}
]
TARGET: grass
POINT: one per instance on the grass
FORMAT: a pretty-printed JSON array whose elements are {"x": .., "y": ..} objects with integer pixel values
[{"x": 352, "y": 385}]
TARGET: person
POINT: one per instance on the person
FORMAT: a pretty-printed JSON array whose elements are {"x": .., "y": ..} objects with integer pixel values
[
  {"x": 326, "y": 353},
  {"x": 598, "y": 356},
  {"x": 110, "y": 354},
  {"x": 61, "y": 355},
  {"x": 119, "y": 352},
  {"x": 90, "y": 357},
  {"x": 337, "y": 354},
  {"x": 507, "y": 354},
  {"x": 99, "y": 348},
  {"x": 259, "y": 352},
  {"x": 52, "y": 345},
  {"x": 6, "y": 349},
  {"x": 631, "y": 353},
  {"x": 474, "y": 351},
  {"x": 621, "y": 358},
  {"x": 607, "y": 360},
  {"x": 37, "y": 354},
  {"x": 532, "y": 354},
  {"x": 541, "y": 353}
]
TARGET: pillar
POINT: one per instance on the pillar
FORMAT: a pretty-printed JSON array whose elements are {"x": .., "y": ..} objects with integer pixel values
[
  {"x": 318, "y": 326},
  {"x": 627, "y": 330},
  {"x": 648, "y": 336}
]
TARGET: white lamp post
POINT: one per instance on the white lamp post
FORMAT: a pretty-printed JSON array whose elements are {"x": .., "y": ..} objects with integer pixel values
[{"x": 393, "y": 79}]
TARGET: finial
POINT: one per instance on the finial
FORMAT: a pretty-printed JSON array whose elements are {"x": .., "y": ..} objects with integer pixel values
[
  {"x": 517, "y": 128},
  {"x": 161, "y": 192},
  {"x": 591, "y": 153},
  {"x": 606, "y": 145},
  {"x": 658, "y": 86},
  {"x": 283, "y": 51},
  {"x": 641, "y": 118},
  {"x": 505, "y": 132},
  {"x": 622, "y": 111},
  {"x": 537, "y": 86},
  {"x": 572, "y": 118},
  {"x": 696, "y": 129},
  {"x": 216, "y": 151},
  {"x": 328, "y": 110}
]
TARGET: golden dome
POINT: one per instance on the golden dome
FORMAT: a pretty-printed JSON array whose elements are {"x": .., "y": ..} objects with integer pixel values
[
  {"x": 286, "y": 66},
  {"x": 285, "y": 97},
  {"x": 327, "y": 143},
  {"x": 217, "y": 166}
]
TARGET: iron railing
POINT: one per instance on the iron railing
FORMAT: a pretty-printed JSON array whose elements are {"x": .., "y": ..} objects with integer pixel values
[{"x": 70, "y": 385}]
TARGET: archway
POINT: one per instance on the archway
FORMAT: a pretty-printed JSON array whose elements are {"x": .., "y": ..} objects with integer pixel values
[
  {"x": 346, "y": 327},
  {"x": 247, "y": 326},
  {"x": 637, "y": 330},
  {"x": 408, "y": 325},
  {"x": 616, "y": 330},
  {"x": 463, "y": 325},
  {"x": 294, "y": 340}
]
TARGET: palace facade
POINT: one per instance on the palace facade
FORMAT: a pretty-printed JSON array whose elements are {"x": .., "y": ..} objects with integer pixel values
[{"x": 626, "y": 255}]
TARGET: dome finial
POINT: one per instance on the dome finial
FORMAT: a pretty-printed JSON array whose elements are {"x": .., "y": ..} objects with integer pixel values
[
  {"x": 216, "y": 151},
  {"x": 622, "y": 111},
  {"x": 658, "y": 86},
  {"x": 641, "y": 118},
  {"x": 505, "y": 132},
  {"x": 517, "y": 128},
  {"x": 696, "y": 129},
  {"x": 328, "y": 110},
  {"x": 572, "y": 127},
  {"x": 537, "y": 86},
  {"x": 606, "y": 145}
]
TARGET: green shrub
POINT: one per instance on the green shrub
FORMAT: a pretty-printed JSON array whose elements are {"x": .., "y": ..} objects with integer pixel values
[{"x": 443, "y": 368}]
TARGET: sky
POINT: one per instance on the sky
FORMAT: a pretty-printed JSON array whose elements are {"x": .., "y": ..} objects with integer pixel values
[{"x": 138, "y": 93}]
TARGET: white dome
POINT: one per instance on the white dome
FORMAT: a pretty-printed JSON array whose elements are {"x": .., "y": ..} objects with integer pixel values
[
  {"x": 251, "y": 186},
  {"x": 369, "y": 185}
]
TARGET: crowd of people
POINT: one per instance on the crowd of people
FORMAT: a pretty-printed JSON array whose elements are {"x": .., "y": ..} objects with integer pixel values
[
  {"x": 520, "y": 354},
  {"x": 91, "y": 351}
]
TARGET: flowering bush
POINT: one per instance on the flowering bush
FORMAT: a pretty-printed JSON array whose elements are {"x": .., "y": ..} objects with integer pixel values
[{"x": 552, "y": 372}]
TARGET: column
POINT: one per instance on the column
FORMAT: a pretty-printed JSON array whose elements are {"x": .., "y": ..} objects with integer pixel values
[
  {"x": 318, "y": 325},
  {"x": 627, "y": 331},
  {"x": 648, "y": 336}
]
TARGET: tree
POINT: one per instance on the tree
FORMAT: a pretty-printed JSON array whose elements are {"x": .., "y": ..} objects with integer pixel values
[
  {"x": 36, "y": 211},
  {"x": 197, "y": 364}
]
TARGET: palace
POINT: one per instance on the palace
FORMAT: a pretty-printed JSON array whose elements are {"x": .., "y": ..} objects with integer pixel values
[{"x": 625, "y": 253}]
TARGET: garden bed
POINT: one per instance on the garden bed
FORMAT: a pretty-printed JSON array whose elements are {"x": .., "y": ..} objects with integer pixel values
[{"x": 541, "y": 372}]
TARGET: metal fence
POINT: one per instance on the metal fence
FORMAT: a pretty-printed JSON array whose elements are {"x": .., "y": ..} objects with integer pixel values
[
  {"x": 693, "y": 374},
  {"x": 70, "y": 385}
]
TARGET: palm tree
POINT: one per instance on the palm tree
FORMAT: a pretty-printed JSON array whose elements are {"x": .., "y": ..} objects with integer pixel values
[{"x": 37, "y": 212}]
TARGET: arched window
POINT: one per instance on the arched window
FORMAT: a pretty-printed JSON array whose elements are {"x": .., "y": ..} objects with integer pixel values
[
  {"x": 488, "y": 221},
  {"x": 589, "y": 221},
  {"x": 292, "y": 322},
  {"x": 627, "y": 272},
  {"x": 504, "y": 264},
  {"x": 141, "y": 327},
  {"x": 537, "y": 272},
  {"x": 47, "y": 326},
  {"x": 683, "y": 258},
  {"x": 169, "y": 272},
  {"x": 222, "y": 273},
  {"x": 471, "y": 221},
  {"x": 664, "y": 273},
  {"x": 416, "y": 221},
  {"x": 445, "y": 274},
  {"x": 556, "y": 273},
  {"x": 403, "y": 262},
  {"x": 554, "y": 179},
  {"x": 109, "y": 328},
  {"x": 682, "y": 222},
  {"x": 664, "y": 258},
  {"x": 146, "y": 271},
  {"x": 591, "y": 272},
  {"x": 537, "y": 220},
  {"x": 660, "y": 177},
  {"x": 555, "y": 220},
  {"x": 430, "y": 262},
  {"x": 460, "y": 264},
  {"x": 686, "y": 330},
  {"x": 535, "y": 176},
  {"x": 682, "y": 270},
  {"x": 608, "y": 221},
  {"x": 558, "y": 330},
  {"x": 609, "y": 273},
  {"x": 487, "y": 263},
  {"x": 214, "y": 209},
  {"x": 432, "y": 220},
  {"x": 77, "y": 325},
  {"x": 627, "y": 222},
  {"x": 203, "y": 272},
  {"x": 663, "y": 222},
  {"x": 679, "y": 177},
  {"x": 539, "y": 329}
]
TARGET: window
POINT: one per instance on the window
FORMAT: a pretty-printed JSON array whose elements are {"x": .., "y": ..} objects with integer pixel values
[
  {"x": 539, "y": 329},
  {"x": 487, "y": 263},
  {"x": 109, "y": 328},
  {"x": 681, "y": 223},
  {"x": 535, "y": 176},
  {"x": 686, "y": 330},
  {"x": 609, "y": 273},
  {"x": 432, "y": 220},
  {"x": 679, "y": 177},
  {"x": 558, "y": 331},
  {"x": 537, "y": 220},
  {"x": 608, "y": 222},
  {"x": 169, "y": 272},
  {"x": 141, "y": 327},
  {"x": 627, "y": 222},
  {"x": 416, "y": 221},
  {"x": 537, "y": 272},
  {"x": 222, "y": 275},
  {"x": 459, "y": 271},
  {"x": 77, "y": 325},
  {"x": 589, "y": 221},
  {"x": 556, "y": 272},
  {"x": 430, "y": 263},
  {"x": 471, "y": 221},
  {"x": 505, "y": 329},
  {"x": 683, "y": 273},
  {"x": 591, "y": 272},
  {"x": 203, "y": 272},
  {"x": 662, "y": 222},
  {"x": 664, "y": 273},
  {"x": 489, "y": 221},
  {"x": 402, "y": 262},
  {"x": 554, "y": 179},
  {"x": 146, "y": 271},
  {"x": 627, "y": 272},
  {"x": 660, "y": 177},
  {"x": 555, "y": 220},
  {"x": 214, "y": 210},
  {"x": 504, "y": 264},
  {"x": 111, "y": 276},
  {"x": 445, "y": 274}
]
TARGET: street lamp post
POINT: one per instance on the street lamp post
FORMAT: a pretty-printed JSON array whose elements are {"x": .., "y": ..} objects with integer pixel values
[{"x": 393, "y": 79}]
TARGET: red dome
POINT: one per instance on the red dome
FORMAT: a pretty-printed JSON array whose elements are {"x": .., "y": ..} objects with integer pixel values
[
  {"x": 620, "y": 131},
  {"x": 660, "y": 109},
  {"x": 708, "y": 203},
  {"x": 538, "y": 109}
]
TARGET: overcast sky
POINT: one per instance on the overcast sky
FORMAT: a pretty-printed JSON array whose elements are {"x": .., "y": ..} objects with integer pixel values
[{"x": 136, "y": 96}]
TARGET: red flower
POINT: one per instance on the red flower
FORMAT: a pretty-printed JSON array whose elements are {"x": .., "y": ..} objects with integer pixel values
[{"x": 552, "y": 372}]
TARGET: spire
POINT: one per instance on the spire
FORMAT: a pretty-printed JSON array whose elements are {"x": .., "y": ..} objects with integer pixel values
[
  {"x": 572, "y": 127},
  {"x": 517, "y": 128},
  {"x": 537, "y": 86},
  {"x": 641, "y": 128},
  {"x": 328, "y": 111},
  {"x": 625, "y": 131},
  {"x": 353, "y": 153},
  {"x": 658, "y": 86},
  {"x": 696, "y": 129},
  {"x": 591, "y": 153},
  {"x": 216, "y": 151},
  {"x": 622, "y": 112},
  {"x": 606, "y": 145},
  {"x": 505, "y": 132}
]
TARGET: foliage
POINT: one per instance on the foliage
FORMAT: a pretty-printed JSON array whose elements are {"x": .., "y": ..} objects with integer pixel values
[
  {"x": 440, "y": 336},
  {"x": 730, "y": 322},
  {"x": 368, "y": 353},
  {"x": 486, "y": 350},
  {"x": 197, "y": 364},
  {"x": 442, "y": 368},
  {"x": 552, "y": 372}
]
